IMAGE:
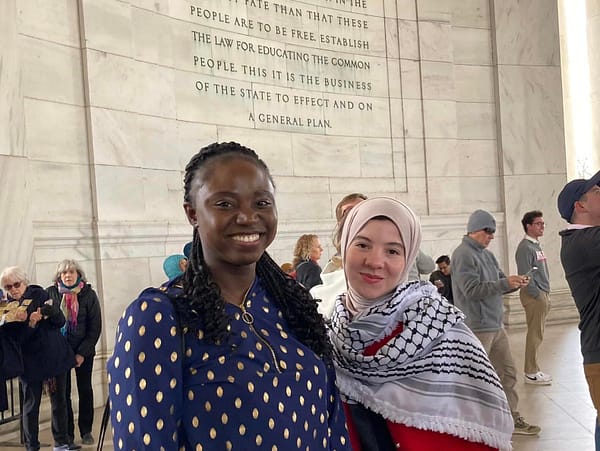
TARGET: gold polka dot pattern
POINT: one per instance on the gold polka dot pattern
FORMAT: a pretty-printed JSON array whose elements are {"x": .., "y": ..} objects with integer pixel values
[{"x": 262, "y": 389}]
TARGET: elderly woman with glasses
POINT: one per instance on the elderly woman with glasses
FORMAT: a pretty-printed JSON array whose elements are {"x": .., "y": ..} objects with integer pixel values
[{"x": 47, "y": 357}]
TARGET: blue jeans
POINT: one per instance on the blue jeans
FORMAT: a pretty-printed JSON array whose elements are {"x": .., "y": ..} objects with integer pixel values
[{"x": 597, "y": 435}]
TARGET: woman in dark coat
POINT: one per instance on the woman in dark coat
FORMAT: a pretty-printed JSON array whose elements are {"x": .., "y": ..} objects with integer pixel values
[
  {"x": 79, "y": 303},
  {"x": 47, "y": 357}
]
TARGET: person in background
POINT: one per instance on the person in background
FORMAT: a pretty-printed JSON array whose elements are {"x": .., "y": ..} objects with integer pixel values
[
  {"x": 187, "y": 249},
  {"x": 79, "y": 302},
  {"x": 535, "y": 298},
  {"x": 307, "y": 253},
  {"x": 288, "y": 268},
  {"x": 478, "y": 284},
  {"x": 175, "y": 265},
  {"x": 408, "y": 385},
  {"x": 47, "y": 358},
  {"x": 579, "y": 205},
  {"x": 234, "y": 354},
  {"x": 423, "y": 265},
  {"x": 343, "y": 206},
  {"x": 332, "y": 276},
  {"x": 442, "y": 278}
]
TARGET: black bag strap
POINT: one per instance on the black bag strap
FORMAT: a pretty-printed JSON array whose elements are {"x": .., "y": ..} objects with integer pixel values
[{"x": 171, "y": 292}]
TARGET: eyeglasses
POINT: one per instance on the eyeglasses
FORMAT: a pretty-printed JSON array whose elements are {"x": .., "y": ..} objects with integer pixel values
[
  {"x": 489, "y": 231},
  {"x": 14, "y": 285}
]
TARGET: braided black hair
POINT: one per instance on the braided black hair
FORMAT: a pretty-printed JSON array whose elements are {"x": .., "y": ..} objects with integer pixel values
[{"x": 201, "y": 303}]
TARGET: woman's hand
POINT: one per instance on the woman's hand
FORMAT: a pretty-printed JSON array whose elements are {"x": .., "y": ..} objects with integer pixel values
[{"x": 35, "y": 317}]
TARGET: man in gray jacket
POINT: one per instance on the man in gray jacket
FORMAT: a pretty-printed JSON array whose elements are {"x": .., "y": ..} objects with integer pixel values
[
  {"x": 478, "y": 285},
  {"x": 535, "y": 298}
]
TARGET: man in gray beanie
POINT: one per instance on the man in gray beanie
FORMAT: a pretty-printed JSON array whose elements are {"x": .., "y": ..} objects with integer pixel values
[{"x": 478, "y": 284}]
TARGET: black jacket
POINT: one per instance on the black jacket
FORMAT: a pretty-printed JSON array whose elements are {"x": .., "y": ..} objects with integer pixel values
[
  {"x": 89, "y": 320},
  {"x": 580, "y": 258},
  {"x": 46, "y": 352},
  {"x": 308, "y": 273}
]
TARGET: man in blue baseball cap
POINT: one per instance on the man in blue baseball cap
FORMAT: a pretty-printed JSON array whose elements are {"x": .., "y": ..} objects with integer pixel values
[{"x": 579, "y": 205}]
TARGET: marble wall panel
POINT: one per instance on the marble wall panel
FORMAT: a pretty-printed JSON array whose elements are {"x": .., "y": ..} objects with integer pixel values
[
  {"x": 51, "y": 71},
  {"x": 56, "y": 240},
  {"x": 438, "y": 80},
  {"x": 395, "y": 76},
  {"x": 163, "y": 194},
  {"x": 406, "y": 9},
  {"x": 415, "y": 195},
  {"x": 60, "y": 191},
  {"x": 474, "y": 83},
  {"x": 442, "y": 161},
  {"x": 480, "y": 192},
  {"x": 392, "y": 37},
  {"x": 16, "y": 225},
  {"x": 124, "y": 84},
  {"x": 302, "y": 207},
  {"x": 435, "y": 41},
  {"x": 108, "y": 26},
  {"x": 160, "y": 6},
  {"x": 325, "y": 156},
  {"x": 121, "y": 272},
  {"x": 476, "y": 120},
  {"x": 55, "y": 132},
  {"x": 470, "y": 13},
  {"x": 152, "y": 37},
  {"x": 56, "y": 21},
  {"x": 410, "y": 79},
  {"x": 477, "y": 156},
  {"x": 399, "y": 125},
  {"x": 464, "y": 194},
  {"x": 442, "y": 194},
  {"x": 532, "y": 118},
  {"x": 368, "y": 186},
  {"x": 440, "y": 118},
  {"x": 471, "y": 46},
  {"x": 526, "y": 32},
  {"x": 415, "y": 157},
  {"x": 434, "y": 10},
  {"x": 115, "y": 137},
  {"x": 274, "y": 149},
  {"x": 409, "y": 39},
  {"x": 113, "y": 182},
  {"x": 12, "y": 124},
  {"x": 376, "y": 157},
  {"x": 413, "y": 118}
]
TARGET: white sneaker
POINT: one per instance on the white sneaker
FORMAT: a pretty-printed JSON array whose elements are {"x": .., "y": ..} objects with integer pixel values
[{"x": 538, "y": 378}]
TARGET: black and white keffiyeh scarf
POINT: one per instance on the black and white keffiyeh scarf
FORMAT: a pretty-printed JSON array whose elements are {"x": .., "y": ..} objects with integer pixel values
[{"x": 433, "y": 375}]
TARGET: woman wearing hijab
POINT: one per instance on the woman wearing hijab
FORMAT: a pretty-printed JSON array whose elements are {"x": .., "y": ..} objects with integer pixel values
[
  {"x": 81, "y": 307},
  {"x": 414, "y": 377}
]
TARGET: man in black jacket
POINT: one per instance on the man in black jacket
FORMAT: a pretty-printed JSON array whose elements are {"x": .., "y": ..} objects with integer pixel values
[{"x": 579, "y": 205}]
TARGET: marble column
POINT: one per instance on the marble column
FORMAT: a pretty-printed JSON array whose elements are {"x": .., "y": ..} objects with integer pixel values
[
  {"x": 531, "y": 146},
  {"x": 16, "y": 223}
]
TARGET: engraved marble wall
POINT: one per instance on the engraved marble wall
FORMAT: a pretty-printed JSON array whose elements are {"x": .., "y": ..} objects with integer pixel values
[{"x": 104, "y": 102}]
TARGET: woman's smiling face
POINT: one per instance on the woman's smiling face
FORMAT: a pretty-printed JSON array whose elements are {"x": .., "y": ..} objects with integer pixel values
[
  {"x": 375, "y": 259},
  {"x": 233, "y": 208}
]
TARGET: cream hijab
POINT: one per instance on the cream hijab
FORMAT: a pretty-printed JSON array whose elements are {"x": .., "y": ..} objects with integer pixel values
[{"x": 408, "y": 225}]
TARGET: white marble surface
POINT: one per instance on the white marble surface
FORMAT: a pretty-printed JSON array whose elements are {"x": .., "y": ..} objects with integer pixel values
[
  {"x": 103, "y": 182},
  {"x": 527, "y": 32}
]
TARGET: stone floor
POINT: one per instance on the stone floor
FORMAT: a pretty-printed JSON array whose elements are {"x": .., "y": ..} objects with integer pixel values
[{"x": 563, "y": 410}]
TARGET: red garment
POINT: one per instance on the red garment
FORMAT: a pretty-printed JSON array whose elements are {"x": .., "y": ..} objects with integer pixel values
[{"x": 410, "y": 438}]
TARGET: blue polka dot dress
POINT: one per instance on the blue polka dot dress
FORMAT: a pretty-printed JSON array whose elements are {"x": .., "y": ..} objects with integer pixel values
[{"x": 261, "y": 390}]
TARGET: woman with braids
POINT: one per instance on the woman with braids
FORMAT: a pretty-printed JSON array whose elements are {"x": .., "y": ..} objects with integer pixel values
[
  {"x": 232, "y": 354},
  {"x": 413, "y": 376}
]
